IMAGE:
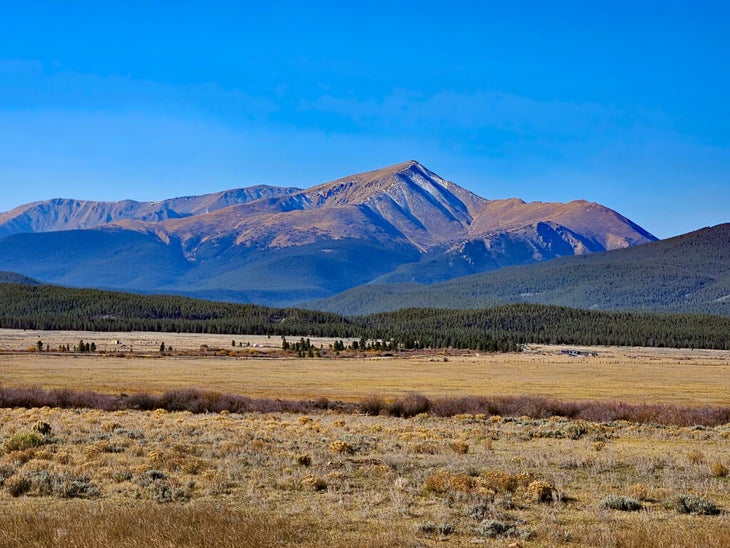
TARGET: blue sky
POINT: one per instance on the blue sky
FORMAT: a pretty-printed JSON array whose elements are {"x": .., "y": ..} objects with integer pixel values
[{"x": 623, "y": 103}]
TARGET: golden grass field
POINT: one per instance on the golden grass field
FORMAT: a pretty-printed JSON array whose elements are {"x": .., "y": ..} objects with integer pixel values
[
  {"x": 156, "y": 478},
  {"x": 635, "y": 375}
]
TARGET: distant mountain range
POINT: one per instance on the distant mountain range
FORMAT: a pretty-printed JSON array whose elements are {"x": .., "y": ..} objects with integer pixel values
[{"x": 282, "y": 246}]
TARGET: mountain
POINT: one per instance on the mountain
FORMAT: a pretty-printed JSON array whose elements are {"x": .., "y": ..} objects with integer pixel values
[
  {"x": 19, "y": 279},
  {"x": 280, "y": 246},
  {"x": 61, "y": 214},
  {"x": 688, "y": 273}
]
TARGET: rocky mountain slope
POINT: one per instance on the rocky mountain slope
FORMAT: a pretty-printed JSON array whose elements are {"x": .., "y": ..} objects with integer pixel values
[
  {"x": 284, "y": 245},
  {"x": 65, "y": 214}
]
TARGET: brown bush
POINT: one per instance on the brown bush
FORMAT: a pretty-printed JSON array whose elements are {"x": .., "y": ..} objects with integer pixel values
[
  {"x": 540, "y": 491},
  {"x": 718, "y": 470},
  {"x": 639, "y": 491},
  {"x": 339, "y": 446},
  {"x": 444, "y": 481},
  {"x": 17, "y": 486},
  {"x": 313, "y": 482},
  {"x": 695, "y": 457},
  {"x": 502, "y": 482},
  {"x": 460, "y": 447},
  {"x": 411, "y": 405}
]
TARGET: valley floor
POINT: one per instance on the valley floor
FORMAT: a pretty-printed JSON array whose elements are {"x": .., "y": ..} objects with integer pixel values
[
  {"x": 85, "y": 477},
  {"x": 129, "y": 362}
]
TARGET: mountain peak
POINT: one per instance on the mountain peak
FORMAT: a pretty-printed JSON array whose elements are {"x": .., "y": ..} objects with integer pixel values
[
  {"x": 405, "y": 166},
  {"x": 402, "y": 222}
]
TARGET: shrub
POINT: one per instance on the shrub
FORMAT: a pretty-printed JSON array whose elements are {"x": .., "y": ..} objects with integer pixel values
[
  {"x": 42, "y": 428},
  {"x": 23, "y": 440},
  {"x": 410, "y": 406},
  {"x": 695, "y": 457},
  {"x": 74, "y": 487},
  {"x": 5, "y": 473},
  {"x": 692, "y": 504},
  {"x": 44, "y": 483},
  {"x": 339, "y": 446},
  {"x": 502, "y": 482},
  {"x": 620, "y": 502},
  {"x": 639, "y": 491},
  {"x": 313, "y": 482},
  {"x": 444, "y": 481},
  {"x": 430, "y": 528},
  {"x": 718, "y": 470},
  {"x": 460, "y": 446},
  {"x": 372, "y": 405},
  {"x": 155, "y": 483},
  {"x": 494, "y": 528},
  {"x": 17, "y": 485},
  {"x": 540, "y": 491},
  {"x": 304, "y": 460}
]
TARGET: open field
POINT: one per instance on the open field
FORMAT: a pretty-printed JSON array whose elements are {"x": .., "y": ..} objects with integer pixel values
[
  {"x": 134, "y": 478},
  {"x": 635, "y": 375}
]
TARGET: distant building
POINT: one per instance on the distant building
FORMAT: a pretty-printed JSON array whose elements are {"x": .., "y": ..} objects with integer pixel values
[{"x": 578, "y": 353}]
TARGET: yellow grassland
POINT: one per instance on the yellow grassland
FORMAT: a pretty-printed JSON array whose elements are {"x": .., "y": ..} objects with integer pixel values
[
  {"x": 635, "y": 375},
  {"x": 139, "y": 478},
  {"x": 178, "y": 479}
]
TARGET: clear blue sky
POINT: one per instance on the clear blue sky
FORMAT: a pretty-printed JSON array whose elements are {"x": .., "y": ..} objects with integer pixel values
[{"x": 623, "y": 103}]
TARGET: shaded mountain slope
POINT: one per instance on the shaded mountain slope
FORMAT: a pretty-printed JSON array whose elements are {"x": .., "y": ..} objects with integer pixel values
[{"x": 689, "y": 273}]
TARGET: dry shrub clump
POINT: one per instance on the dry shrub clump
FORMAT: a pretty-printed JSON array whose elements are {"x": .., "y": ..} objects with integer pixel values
[
  {"x": 303, "y": 460},
  {"x": 495, "y": 481},
  {"x": 718, "y": 470},
  {"x": 372, "y": 405},
  {"x": 445, "y": 481},
  {"x": 17, "y": 486},
  {"x": 42, "y": 428},
  {"x": 695, "y": 456},
  {"x": 620, "y": 502},
  {"x": 313, "y": 483},
  {"x": 460, "y": 447},
  {"x": 339, "y": 446},
  {"x": 501, "y": 482},
  {"x": 541, "y": 491},
  {"x": 639, "y": 491},
  {"x": 411, "y": 405},
  {"x": 693, "y": 504}
]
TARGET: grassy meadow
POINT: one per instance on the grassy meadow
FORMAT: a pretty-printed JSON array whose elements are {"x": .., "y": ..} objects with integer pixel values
[{"x": 85, "y": 477}]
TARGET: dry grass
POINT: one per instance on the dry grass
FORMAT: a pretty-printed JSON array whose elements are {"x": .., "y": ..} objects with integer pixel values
[
  {"x": 157, "y": 478},
  {"x": 35, "y": 523},
  {"x": 624, "y": 374},
  {"x": 177, "y": 479}
]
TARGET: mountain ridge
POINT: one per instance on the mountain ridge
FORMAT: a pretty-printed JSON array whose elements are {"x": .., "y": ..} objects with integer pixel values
[
  {"x": 321, "y": 240},
  {"x": 689, "y": 273}
]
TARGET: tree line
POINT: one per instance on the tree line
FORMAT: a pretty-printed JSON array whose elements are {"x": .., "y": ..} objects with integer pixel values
[{"x": 497, "y": 329}]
